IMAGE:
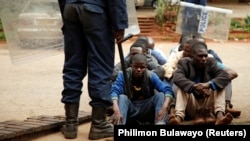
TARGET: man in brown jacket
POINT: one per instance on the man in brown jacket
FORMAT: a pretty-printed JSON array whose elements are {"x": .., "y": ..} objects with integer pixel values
[{"x": 200, "y": 93}]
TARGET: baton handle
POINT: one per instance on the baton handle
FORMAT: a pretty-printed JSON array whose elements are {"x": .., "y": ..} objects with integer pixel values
[
  {"x": 125, "y": 38},
  {"x": 119, "y": 43}
]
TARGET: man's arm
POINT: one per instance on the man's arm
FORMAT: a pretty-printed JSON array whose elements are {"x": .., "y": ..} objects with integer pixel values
[
  {"x": 161, "y": 86},
  {"x": 117, "y": 116},
  {"x": 171, "y": 64},
  {"x": 118, "y": 16},
  {"x": 181, "y": 76},
  {"x": 158, "y": 56},
  {"x": 117, "y": 89},
  {"x": 118, "y": 86},
  {"x": 169, "y": 95},
  {"x": 232, "y": 73},
  {"x": 154, "y": 66}
]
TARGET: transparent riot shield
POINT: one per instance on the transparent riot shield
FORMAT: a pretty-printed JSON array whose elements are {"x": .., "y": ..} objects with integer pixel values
[
  {"x": 205, "y": 21},
  {"x": 132, "y": 19},
  {"x": 32, "y": 28}
]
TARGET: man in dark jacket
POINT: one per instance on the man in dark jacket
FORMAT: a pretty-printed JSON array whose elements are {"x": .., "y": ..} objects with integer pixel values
[
  {"x": 201, "y": 86},
  {"x": 90, "y": 28}
]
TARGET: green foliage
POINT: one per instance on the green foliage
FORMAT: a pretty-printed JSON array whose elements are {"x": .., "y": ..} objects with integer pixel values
[
  {"x": 1, "y": 25},
  {"x": 166, "y": 13},
  {"x": 2, "y": 36},
  {"x": 241, "y": 25},
  {"x": 247, "y": 23},
  {"x": 160, "y": 10},
  {"x": 235, "y": 24}
]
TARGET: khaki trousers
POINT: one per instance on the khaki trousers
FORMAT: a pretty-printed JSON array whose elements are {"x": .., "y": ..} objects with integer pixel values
[{"x": 186, "y": 104}]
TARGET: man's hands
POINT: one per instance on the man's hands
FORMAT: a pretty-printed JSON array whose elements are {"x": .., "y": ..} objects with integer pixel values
[
  {"x": 117, "y": 116},
  {"x": 203, "y": 88},
  {"x": 161, "y": 115}
]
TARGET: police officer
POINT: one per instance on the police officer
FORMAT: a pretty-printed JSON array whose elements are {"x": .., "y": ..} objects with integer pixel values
[{"x": 90, "y": 29}]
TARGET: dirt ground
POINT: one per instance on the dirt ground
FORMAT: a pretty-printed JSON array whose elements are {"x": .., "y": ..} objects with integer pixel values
[{"x": 34, "y": 88}]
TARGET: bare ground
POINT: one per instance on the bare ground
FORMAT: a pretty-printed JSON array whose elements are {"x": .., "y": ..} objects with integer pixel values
[{"x": 34, "y": 88}]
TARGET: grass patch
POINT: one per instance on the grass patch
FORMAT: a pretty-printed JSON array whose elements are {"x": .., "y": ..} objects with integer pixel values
[{"x": 2, "y": 36}]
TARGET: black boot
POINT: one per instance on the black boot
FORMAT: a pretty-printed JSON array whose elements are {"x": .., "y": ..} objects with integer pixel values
[
  {"x": 70, "y": 128},
  {"x": 100, "y": 128}
]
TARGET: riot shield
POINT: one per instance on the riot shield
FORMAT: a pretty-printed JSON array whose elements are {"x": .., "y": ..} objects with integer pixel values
[
  {"x": 205, "y": 21},
  {"x": 132, "y": 19},
  {"x": 33, "y": 28}
]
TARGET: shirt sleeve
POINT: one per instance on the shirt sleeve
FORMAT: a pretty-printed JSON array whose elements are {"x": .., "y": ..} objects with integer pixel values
[
  {"x": 117, "y": 87},
  {"x": 118, "y": 14},
  {"x": 159, "y": 56},
  {"x": 162, "y": 87}
]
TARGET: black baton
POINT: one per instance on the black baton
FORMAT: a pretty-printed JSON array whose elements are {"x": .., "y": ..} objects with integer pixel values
[{"x": 119, "y": 43}]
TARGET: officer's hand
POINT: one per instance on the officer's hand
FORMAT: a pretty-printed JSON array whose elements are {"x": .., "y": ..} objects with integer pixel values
[{"x": 119, "y": 34}]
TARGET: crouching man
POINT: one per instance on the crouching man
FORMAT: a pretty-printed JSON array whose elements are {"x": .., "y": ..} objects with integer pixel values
[
  {"x": 201, "y": 89},
  {"x": 141, "y": 104}
]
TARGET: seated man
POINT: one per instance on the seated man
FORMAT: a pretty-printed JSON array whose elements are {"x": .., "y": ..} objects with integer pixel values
[
  {"x": 152, "y": 63},
  {"x": 232, "y": 73},
  {"x": 157, "y": 53},
  {"x": 141, "y": 104},
  {"x": 179, "y": 47},
  {"x": 171, "y": 66},
  {"x": 149, "y": 44},
  {"x": 200, "y": 89}
]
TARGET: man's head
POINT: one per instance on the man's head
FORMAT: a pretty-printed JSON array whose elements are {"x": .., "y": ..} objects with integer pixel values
[
  {"x": 137, "y": 48},
  {"x": 187, "y": 46},
  {"x": 138, "y": 65},
  {"x": 199, "y": 54},
  {"x": 143, "y": 40},
  {"x": 183, "y": 41}
]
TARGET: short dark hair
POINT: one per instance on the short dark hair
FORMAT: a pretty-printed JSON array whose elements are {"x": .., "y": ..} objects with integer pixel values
[
  {"x": 184, "y": 39},
  {"x": 143, "y": 40},
  {"x": 139, "y": 44},
  {"x": 197, "y": 45},
  {"x": 192, "y": 41},
  {"x": 139, "y": 57}
]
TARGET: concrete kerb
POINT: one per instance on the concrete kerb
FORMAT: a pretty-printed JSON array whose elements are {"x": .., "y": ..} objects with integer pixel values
[{"x": 35, "y": 126}]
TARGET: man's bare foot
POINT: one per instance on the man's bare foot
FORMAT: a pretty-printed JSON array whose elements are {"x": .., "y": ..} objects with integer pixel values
[
  {"x": 209, "y": 116},
  {"x": 174, "y": 120},
  {"x": 234, "y": 113},
  {"x": 229, "y": 109},
  {"x": 224, "y": 120}
]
